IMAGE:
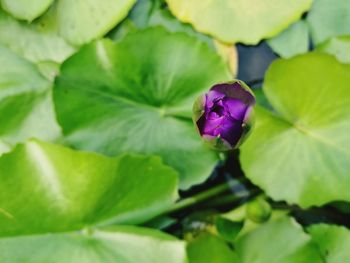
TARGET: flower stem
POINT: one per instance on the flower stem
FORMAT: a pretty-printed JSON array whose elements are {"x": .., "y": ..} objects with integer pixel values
[{"x": 202, "y": 196}]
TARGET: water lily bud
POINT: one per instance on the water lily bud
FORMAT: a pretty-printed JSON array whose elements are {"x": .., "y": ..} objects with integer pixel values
[
  {"x": 223, "y": 116},
  {"x": 258, "y": 210}
]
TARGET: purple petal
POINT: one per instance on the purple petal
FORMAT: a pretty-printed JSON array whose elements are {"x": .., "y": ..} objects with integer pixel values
[
  {"x": 211, "y": 97},
  {"x": 236, "y": 91},
  {"x": 231, "y": 130},
  {"x": 236, "y": 108},
  {"x": 226, "y": 127}
]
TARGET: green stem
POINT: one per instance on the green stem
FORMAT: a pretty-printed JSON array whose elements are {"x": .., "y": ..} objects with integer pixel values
[{"x": 200, "y": 197}]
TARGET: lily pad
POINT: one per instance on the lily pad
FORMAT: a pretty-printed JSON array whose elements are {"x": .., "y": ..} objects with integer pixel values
[
  {"x": 115, "y": 97},
  {"x": 300, "y": 151},
  {"x": 82, "y": 21},
  {"x": 246, "y": 21},
  {"x": 279, "y": 240},
  {"x": 329, "y": 18},
  {"x": 210, "y": 249},
  {"x": 333, "y": 241},
  {"x": 293, "y": 41},
  {"x": 26, "y": 108},
  {"x": 338, "y": 47},
  {"x": 38, "y": 41},
  {"x": 67, "y": 196},
  {"x": 24, "y": 9}
]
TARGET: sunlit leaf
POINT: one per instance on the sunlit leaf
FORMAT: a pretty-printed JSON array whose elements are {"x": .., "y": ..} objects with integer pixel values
[
  {"x": 24, "y": 9},
  {"x": 338, "y": 47},
  {"x": 65, "y": 195},
  {"x": 115, "y": 97},
  {"x": 84, "y": 20},
  {"x": 329, "y": 18},
  {"x": 279, "y": 240},
  {"x": 293, "y": 41},
  {"x": 300, "y": 152},
  {"x": 25, "y": 101},
  {"x": 333, "y": 241},
  {"x": 247, "y": 21},
  {"x": 210, "y": 249},
  {"x": 38, "y": 41}
]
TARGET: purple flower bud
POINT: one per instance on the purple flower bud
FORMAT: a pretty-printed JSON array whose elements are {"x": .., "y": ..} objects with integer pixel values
[{"x": 223, "y": 115}]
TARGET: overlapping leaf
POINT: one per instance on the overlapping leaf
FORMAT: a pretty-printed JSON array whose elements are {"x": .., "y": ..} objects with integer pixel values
[
  {"x": 210, "y": 249},
  {"x": 137, "y": 95},
  {"x": 338, "y": 47},
  {"x": 280, "y": 240},
  {"x": 25, "y": 102},
  {"x": 247, "y": 21},
  {"x": 23, "y": 9},
  {"x": 38, "y": 41},
  {"x": 293, "y": 41},
  {"x": 333, "y": 241},
  {"x": 329, "y": 18},
  {"x": 82, "y": 21},
  {"x": 65, "y": 194},
  {"x": 300, "y": 152}
]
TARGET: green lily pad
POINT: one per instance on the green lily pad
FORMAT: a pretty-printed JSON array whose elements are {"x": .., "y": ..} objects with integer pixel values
[
  {"x": 293, "y": 41},
  {"x": 26, "y": 108},
  {"x": 210, "y": 249},
  {"x": 38, "y": 41},
  {"x": 24, "y": 9},
  {"x": 338, "y": 47},
  {"x": 82, "y": 21},
  {"x": 300, "y": 152},
  {"x": 66, "y": 196},
  {"x": 246, "y": 21},
  {"x": 329, "y": 18},
  {"x": 333, "y": 241},
  {"x": 279, "y": 240},
  {"x": 118, "y": 97}
]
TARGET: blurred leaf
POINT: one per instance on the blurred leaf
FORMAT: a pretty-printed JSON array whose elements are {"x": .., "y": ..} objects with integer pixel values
[
  {"x": 117, "y": 97},
  {"x": 293, "y": 41},
  {"x": 24, "y": 9},
  {"x": 229, "y": 54},
  {"x": 65, "y": 194},
  {"x": 25, "y": 101},
  {"x": 338, "y": 47},
  {"x": 280, "y": 240},
  {"x": 210, "y": 249},
  {"x": 301, "y": 152},
  {"x": 329, "y": 18},
  {"x": 333, "y": 241},
  {"x": 228, "y": 229},
  {"x": 82, "y": 21},
  {"x": 36, "y": 42},
  {"x": 246, "y": 21}
]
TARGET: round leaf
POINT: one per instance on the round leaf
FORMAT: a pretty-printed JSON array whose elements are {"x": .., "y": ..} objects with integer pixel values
[
  {"x": 118, "y": 97},
  {"x": 24, "y": 9},
  {"x": 210, "y": 249},
  {"x": 247, "y": 21},
  {"x": 122, "y": 244},
  {"x": 329, "y": 18},
  {"x": 52, "y": 199},
  {"x": 64, "y": 190},
  {"x": 300, "y": 153},
  {"x": 333, "y": 241},
  {"x": 293, "y": 41},
  {"x": 25, "y": 101},
  {"x": 280, "y": 240},
  {"x": 338, "y": 47},
  {"x": 38, "y": 41},
  {"x": 82, "y": 21}
]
